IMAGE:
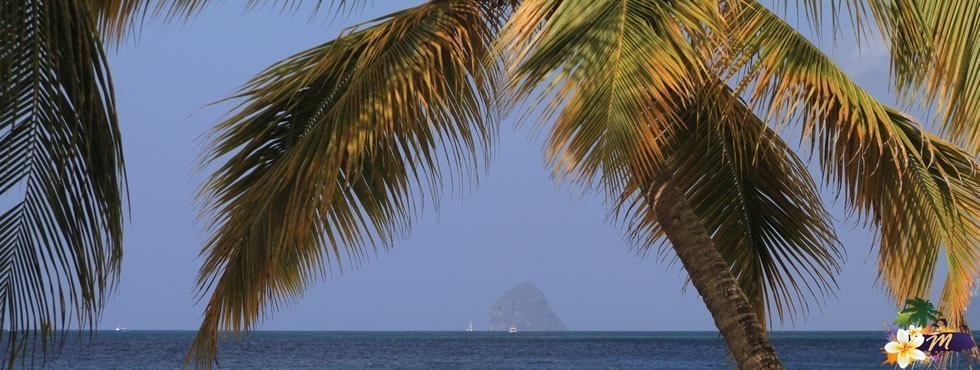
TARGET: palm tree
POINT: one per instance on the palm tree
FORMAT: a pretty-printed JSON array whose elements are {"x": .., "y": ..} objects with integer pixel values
[
  {"x": 918, "y": 311},
  {"x": 668, "y": 108}
]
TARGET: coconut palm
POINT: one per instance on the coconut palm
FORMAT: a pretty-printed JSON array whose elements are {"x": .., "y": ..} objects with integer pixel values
[{"x": 667, "y": 108}]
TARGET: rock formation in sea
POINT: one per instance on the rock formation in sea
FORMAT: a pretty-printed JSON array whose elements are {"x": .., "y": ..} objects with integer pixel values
[{"x": 526, "y": 309}]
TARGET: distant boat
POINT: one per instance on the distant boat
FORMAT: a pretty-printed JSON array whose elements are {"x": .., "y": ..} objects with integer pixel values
[
  {"x": 513, "y": 329},
  {"x": 470, "y": 328},
  {"x": 120, "y": 328}
]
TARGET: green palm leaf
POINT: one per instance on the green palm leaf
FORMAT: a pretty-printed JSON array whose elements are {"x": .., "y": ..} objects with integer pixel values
[
  {"x": 61, "y": 175},
  {"x": 918, "y": 310},
  {"x": 755, "y": 198},
  {"x": 917, "y": 191},
  {"x": 329, "y": 149}
]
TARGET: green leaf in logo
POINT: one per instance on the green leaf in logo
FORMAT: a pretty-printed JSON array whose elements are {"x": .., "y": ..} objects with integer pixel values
[{"x": 917, "y": 311}]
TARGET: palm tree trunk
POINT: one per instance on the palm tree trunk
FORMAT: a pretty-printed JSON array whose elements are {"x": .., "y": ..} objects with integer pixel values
[{"x": 733, "y": 315}]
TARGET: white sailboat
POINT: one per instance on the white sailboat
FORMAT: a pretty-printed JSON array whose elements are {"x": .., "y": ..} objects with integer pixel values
[{"x": 470, "y": 328}]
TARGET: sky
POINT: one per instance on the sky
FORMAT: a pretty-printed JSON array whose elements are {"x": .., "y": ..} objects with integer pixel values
[{"x": 517, "y": 225}]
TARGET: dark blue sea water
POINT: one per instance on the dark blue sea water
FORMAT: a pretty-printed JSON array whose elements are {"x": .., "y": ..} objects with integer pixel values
[{"x": 476, "y": 350}]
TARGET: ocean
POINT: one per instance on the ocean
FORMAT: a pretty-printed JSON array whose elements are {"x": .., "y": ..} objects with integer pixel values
[{"x": 462, "y": 350}]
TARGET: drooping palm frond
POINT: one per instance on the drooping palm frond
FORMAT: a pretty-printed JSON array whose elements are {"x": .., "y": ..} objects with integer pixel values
[
  {"x": 755, "y": 198},
  {"x": 119, "y": 18},
  {"x": 614, "y": 71},
  {"x": 935, "y": 53},
  {"x": 918, "y": 192},
  {"x": 951, "y": 182},
  {"x": 956, "y": 295},
  {"x": 61, "y": 174},
  {"x": 330, "y": 148},
  {"x": 864, "y": 16},
  {"x": 943, "y": 70}
]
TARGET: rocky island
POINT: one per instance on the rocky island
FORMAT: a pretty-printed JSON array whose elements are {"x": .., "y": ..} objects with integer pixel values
[{"x": 525, "y": 308}]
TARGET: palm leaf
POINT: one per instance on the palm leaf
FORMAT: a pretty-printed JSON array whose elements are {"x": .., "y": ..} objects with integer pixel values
[
  {"x": 943, "y": 70},
  {"x": 755, "y": 198},
  {"x": 614, "y": 71},
  {"x": 948, "y": 182},
  {"x": 935, "y": 53},
  {"x": 958, "y": 289},
  {"x": 864, "y": 16},
  {"x": 329, "y": 149},
  {"x": 918, "y": 192},
  {"x": 119, "y": 18},
  {"x": 61, "y": 174}
]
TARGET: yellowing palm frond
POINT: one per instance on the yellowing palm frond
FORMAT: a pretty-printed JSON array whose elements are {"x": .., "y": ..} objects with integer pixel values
[
  {"x": 917, "y": 191},
  {"x": 955, "y": 297},
  {"x": 941, "y": 192},
  {"x": 327, "y": 153},
  {"x": 615, "y": 71},
  {"x": 935, "y": 53},
  {"x": 943, "y": 70},
  {"x": 755, "y": 198},
  {"x": 61, "y": 175},
  {"x": 864, "y": 16}
]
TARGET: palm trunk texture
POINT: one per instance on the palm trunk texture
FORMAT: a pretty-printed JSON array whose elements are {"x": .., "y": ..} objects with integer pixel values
[{"x": 734, "y": 316}]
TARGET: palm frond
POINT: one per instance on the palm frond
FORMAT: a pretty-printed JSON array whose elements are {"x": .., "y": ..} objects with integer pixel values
[
  {"x": 935, "y": 54},
  {"x": 328, "y": 152},
  {"x": 614, "y": 71},
  {"x": 918, "y": 192},
  {"x": 119, "y": 18},
  {"x": 864, "y": 16},
  {"x": 755, "y": 198},
  {"x": 944, "y": 70},
  {"x": 957, "y": 288},
  {"x": 949, "y": 182},
  {"x": 61, "y": 175}
]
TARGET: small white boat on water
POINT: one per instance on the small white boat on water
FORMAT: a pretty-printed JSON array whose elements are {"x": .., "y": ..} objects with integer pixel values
[
  {"x": 470, "y": 328},
  {"x": 513, "y": 329},
  {"x": 120, "y": 329}
]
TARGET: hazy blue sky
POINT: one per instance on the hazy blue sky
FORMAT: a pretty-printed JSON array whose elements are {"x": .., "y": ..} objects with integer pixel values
[{"x": 517, "y": 225}]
